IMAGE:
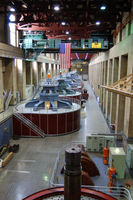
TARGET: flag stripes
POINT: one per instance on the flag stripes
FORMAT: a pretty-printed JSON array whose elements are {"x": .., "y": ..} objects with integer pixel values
[{"x": 65, "y": 58}]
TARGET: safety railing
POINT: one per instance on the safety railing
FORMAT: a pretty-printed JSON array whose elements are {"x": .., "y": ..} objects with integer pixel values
[
  {"x": 6, "y": 114},
  {"x": 8, "y": 99},
  {"x": 30, "y": 124},
  {"x": 120, "y": 192},
  {"x": 41, "y": 110},
  {"x": 33, "y": 119}
]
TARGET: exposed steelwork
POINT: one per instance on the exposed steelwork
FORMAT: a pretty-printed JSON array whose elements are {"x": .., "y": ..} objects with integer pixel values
[{"x": 79, "y": 16}]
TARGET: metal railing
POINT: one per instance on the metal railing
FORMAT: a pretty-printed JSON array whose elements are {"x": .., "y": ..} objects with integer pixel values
[
  {"x": 20, "y": 110},
  {"x": 8, "y": 99},
  {"x": 30, "y": 124},
  {"x": 120, "y": 193}
]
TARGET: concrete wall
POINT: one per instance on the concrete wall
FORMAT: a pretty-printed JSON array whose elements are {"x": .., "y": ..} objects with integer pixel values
[
  {"x": 22, "y": 76},
  {"x": 105, "y": 69},
  {"x": 1, "y": 87},
  {"x": 18, "y": 75}
]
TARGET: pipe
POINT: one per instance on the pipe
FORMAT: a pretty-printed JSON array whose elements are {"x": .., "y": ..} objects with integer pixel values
[
  {"x": 72, "y": 174},
  {"x": 7, "y": 159}
]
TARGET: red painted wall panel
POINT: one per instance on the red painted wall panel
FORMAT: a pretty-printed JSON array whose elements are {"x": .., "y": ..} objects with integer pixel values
[
  {"x": 69, "y": 122},
  {"x": 62, "y": 123},
  {"x": 52, "y": 124},
  {"x": 43, "y": 123},
  {"x": 16, "y": 126}
]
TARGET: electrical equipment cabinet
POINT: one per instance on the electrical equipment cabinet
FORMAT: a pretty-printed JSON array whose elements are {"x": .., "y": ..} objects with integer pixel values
[
  {"x": 117, "y": 158},
  {"x": 96, "y": 143},
  {"x": 109, "y": 141},
  {"x": 5, "y": 131},
  {"x": 129, "y": 156}
]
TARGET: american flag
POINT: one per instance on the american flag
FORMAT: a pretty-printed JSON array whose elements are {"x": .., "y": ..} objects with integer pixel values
[{"x": 64, "y": 55}]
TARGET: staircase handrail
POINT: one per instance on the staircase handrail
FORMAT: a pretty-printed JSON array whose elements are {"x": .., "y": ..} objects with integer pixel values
[{"x": 30, "y": 124}]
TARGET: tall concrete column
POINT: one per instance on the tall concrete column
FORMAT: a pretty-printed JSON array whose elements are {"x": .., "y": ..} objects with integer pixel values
[
  {"x": 47, "y": 69},
  {"x": 44, "y": 71},
  {"x": 106, "y": 78},
  {"x": 128, "y": 117},
  {"x": 21, "y": 78},
  {"x": 28, "y": 73},
  {"x": 103, "y": 88},
  {"x": 99, "y": 80},
  {"x": 54, "y": 70},
  {"x": 120, "y": 112},
  {"x": 10, "y": 78},
  {"x": 58, "y": 69},
  {"x": 109, "y": 82},
  {"x": 105, "y": 83},
  {"x": 14, "y": 92},
  {"x": 29, "y": 83},
  {"x": 35, "y": 73},
  {"x": 113, "y": 95},
  {"x": 95, "y": 80},
  {"x": 101, "y": 83},
  {"x": 31, "y": 73},
  {"x": 113, "y": 108},
  {"x": 1, "y": 88},
  {"x": 50, "y": 68},
  {"x": 39, "y": 71}
]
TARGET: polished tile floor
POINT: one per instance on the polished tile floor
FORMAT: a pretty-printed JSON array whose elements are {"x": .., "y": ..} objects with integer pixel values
[{"x": 31, "y": 168}]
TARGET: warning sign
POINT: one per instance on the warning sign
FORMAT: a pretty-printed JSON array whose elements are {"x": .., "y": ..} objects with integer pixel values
[{"x": 96, "y": 45}]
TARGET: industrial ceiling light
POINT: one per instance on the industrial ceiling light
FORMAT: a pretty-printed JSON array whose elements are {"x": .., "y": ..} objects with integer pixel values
[
  {"x": 103, "y": 7},
  {"x": 98, "y": 23},
  {"x": 12, "y": 9},
  {"x": 69, "y": 38},
  {"x": 67, "y": 32},
  {"x": 11, "y": 16},
  {"x": 63, "y": 23},
  {"x": 24, "y": 6},
  {"x": 56, "y": 8}
]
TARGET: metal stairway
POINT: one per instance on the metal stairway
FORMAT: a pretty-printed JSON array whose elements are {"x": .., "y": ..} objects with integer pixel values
[
  {"x": 8, "y": 99},
  {"x": 36, "y": 90},
  {"x": 30, "y": 124}
]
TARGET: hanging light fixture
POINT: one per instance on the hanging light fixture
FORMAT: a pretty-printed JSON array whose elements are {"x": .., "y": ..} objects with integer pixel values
[
  {"x": 63, "y": 23},
  {"x": 98, "y": 23},
  {"x": 56, "y": 8},
  {"x": 67, "y": 32},
  {"x": 103, "y": 7}
]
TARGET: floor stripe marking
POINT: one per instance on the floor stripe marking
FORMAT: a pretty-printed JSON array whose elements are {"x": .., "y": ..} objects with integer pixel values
[
  {"x": 33, "y": 161},
  {"x": 17, "y": 171}
]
